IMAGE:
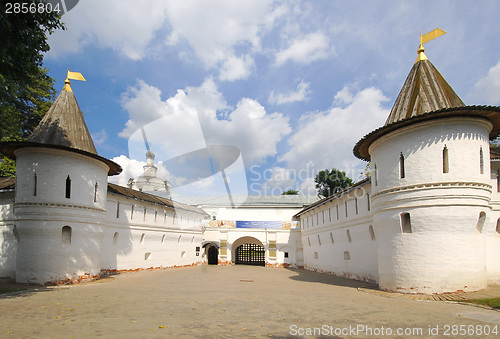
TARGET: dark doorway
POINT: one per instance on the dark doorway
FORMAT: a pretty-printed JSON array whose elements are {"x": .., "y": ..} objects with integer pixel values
[
  {"x": 250, "y": 254},
  {"x": 213, "y": 255}
]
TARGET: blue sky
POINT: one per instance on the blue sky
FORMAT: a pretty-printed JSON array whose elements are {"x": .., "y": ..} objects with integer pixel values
[{"x": 292, "y": 84}]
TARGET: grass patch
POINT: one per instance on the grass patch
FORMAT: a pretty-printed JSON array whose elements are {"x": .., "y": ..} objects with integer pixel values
[{"x": 493, "y": 302}]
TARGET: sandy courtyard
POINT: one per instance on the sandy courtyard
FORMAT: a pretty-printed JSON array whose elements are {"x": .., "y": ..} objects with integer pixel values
[{"x": 235, "y": 301}]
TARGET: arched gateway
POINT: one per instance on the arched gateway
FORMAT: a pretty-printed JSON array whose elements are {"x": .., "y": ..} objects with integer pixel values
[{"x": 249, "y": 251}]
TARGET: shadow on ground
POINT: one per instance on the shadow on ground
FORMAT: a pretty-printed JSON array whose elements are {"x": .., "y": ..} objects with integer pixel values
[{"x": 322, "y": 278}]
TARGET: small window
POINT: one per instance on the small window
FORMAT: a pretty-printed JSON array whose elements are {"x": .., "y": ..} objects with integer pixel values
[
  {"x": 68, "y": 187},
  {"x": 16, "y": 234},
  {"x": 164, "y": 217},
  {"x": 96, "y": 187},
  {"x": 179, "y": 240},
  {"x": 156, "y": 215},
  {"x": 406, "y": 223},
  {"x": 115, "y": 238},
  {"x": 309, "y": 241},
  {"x": 481, "y": 161},
  {"x": 66, "y": 235},
  {"x": 132, "y": 213},
  {"x": 144, "y": 216},
  {"x": 346, "y": 209},
  {"x": 337, "y": 208},
  {"x": 347, "y": 255},
  {"x": 329, "y": 214},
  {"x": 375, "y": 174},
  {"x": 319, "y": 240},
  {"x": 401, "y": 165},
  {"x": 356, "y": 204},
  {"x": 316, "y": 255},
  {"x": 286, "y": 254},
  {"x": 163, "y": 239},
  {"x": 372, "y": 232},
  {"x": 368, "y": 201},
  {"x": 498, "y": 180},
  {"x": 480, "y": 222},
  {"x": 197, "y": 248},
  {"x": 323, "y": 215},
  {"x": 183, "y": 254},
  {"x": 143, "y": 235},
  {"x": 446, "y": 165},
  {"x": 118, "y": 209},
  {"x": 331, "y": 238},
  {"x": 497, "y": 229},
  {"x": 147, "y": 256},
  {"x": 348, "y": 235},
  {"x": 35, "y": 184}
]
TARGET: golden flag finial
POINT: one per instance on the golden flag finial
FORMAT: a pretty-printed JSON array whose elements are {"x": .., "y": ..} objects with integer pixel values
[
  {"x": 73, "y": 76},
  {"x": 426, "y": 38}
]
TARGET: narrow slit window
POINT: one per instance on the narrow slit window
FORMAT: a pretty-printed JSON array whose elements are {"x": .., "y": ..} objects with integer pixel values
[
  {"x": 406, "y": 223},
  {"x": 329, "y": 214},
  {"x": 115, "y": 238},
  {"x": 337, "y": 209},
  {"x": 480, "y": 222},
  {"x": 356, "y": 204},
  {"x": 144, "y": 216},
  {"x": 368, "y": 200},
  {"x": 118, "y": 209},
  {"x": 375, "y": 174},
  {"x": 346, "y": 214},
  {"x": 331, "y": 238},
  {"x": 481, "y": 161},
  {"x": 498, "y": 180},
  {"x": 35, "y": 183},
  {"x": 348, "y": 235},
  {"x": 401, "y": 165},
  {"x": 446, "y": 164},
  {"x": 497, "y": 229},
  {"x": 132, "y": 213},
  {"x": 68, "y": 187},
  {"x": 372, "y": 232},
  {"x": 156, "y": 215},
  {"x": 143, "y": 235},
  {"x": 96, "y": 187},
  {"x": 319, "y": 240},
  {"x": 66, "y": 235}
]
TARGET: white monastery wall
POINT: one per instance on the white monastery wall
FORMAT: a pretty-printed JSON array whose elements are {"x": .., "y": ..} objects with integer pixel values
[
  {"x": 492, "y": 227},
  {"x": 8, "y": 232},
  {"x": 139, "y": 234},
  {"x": 339, "y": 236},
  {"x": 260, "y": 213}
]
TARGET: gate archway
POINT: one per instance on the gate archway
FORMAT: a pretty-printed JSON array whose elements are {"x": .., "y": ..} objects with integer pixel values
[
  {"x": 213, "y": 255},
  {"x": 250, "y": 254},
  {"x": 249, "y": 251}
]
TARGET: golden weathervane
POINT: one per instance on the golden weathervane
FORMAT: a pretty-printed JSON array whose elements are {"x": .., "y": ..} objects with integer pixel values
[
  {"x": 72, "y": 76},
  {"x": 426, "y": 38}
]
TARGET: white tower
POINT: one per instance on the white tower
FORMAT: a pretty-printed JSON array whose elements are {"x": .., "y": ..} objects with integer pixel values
[
  {"x": 431, "y": 186},
  {"x": 148, "y": 181},
  {"x": 61, "y": 189}
]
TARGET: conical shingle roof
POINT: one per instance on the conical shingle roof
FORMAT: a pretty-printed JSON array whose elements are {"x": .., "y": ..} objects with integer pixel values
[
  {"x": 424, "y": 90},
  {"x": 426, "y": 96},
  {"x": 63, "y": 125}
]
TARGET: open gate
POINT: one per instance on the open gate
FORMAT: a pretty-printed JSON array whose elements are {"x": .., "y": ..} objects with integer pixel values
[{"x": 250, "y": 254}]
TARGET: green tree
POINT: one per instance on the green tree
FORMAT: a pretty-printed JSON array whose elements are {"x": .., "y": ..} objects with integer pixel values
[
  {"x": 26, "y": 90},
  {"x": 331, "y": 182},
  {"x": 290, "y": 192}
]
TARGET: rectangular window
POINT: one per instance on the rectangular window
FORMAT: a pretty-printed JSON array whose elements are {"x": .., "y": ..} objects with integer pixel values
[
  {"x": 346, "y": 214},
  {"x": 330, "y": 214},
  {"x": 481, "y": 161},
  {"x": 337, "y": 208},
  {"x": 368, "y": 200},
  {"x": 356, "y": 204},
  {"x": 35, "y": 182},
  {"x": 118, "y": 209},
  {"x": 401, "y": 165},
  {"x": 446, "y": 165},
  {"x": 68, "y": 187},
  {"x": 406, "y": 223}
]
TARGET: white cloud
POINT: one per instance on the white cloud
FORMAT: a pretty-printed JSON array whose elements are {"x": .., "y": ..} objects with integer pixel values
[
  {"x": 293, "y": 96},
  {"x": 487, "y": 89},
  {"x": 131, "y": 169},
  {"x": 100, "y": 137},
  {"x": 305, "y": 49},
  {"x": 327, "y": 138},
  {"x": 280, "y": 180},
  {"x": 121, "y": 25},
  {"x": 234, "y": 68},
  {"x": 191, "y": 119}
]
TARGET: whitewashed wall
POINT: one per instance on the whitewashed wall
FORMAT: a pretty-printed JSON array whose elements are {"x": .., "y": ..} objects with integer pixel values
[
  {"x": 7, "y": 235},
  {"x": 327, "y": 246}
]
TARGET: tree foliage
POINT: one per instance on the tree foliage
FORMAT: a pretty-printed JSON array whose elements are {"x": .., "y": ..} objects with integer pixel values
[
  {"x": 329, "y": 182},
  {"x": 26, "y": 90},
  {"x": 290, "y": 192}
]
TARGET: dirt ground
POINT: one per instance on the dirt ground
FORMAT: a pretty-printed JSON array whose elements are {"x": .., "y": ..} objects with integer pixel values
[{"x": 234, "y": 302}]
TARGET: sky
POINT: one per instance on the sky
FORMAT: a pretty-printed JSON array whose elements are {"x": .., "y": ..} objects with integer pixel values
[{"x": 253, "y": 96}]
